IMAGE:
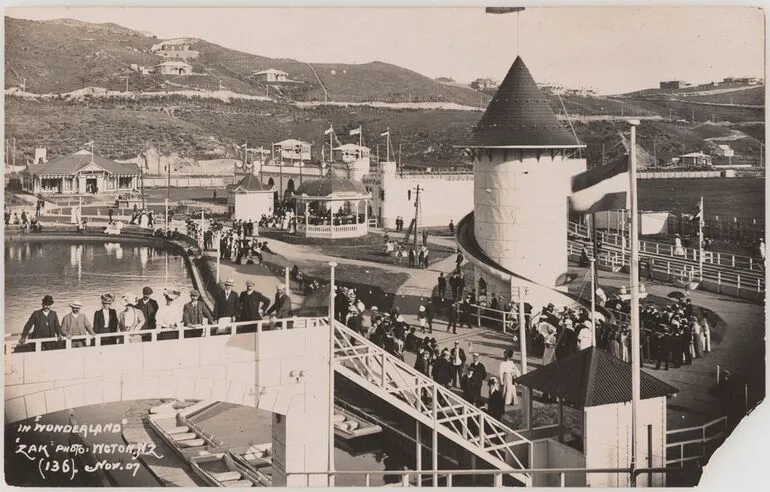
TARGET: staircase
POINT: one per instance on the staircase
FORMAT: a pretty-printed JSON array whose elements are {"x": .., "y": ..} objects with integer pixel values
[{"x": 402, "y": 386}]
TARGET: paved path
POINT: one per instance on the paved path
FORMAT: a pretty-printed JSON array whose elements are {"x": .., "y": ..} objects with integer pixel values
[{"x": 741, "y": 351}]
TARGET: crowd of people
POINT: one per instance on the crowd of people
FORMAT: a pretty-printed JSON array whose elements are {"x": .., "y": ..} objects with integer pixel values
[
  {"x": 135, "y": 314},
  {"x": 27, "y": 222}
]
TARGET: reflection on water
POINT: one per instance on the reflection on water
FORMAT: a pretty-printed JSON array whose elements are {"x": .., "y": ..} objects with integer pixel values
[{"x": 72, "y": 271}]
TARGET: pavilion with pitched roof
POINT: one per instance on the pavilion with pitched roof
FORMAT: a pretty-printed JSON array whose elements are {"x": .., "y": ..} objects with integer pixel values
[{"x": 80, "y": 173}]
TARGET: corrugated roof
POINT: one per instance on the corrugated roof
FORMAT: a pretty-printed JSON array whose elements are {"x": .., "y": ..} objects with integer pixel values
[
  {"x": 592, "y": 377},
  {"x": 325, "y": 187},
  {"x": 520, "y": 115},
  {"x": 250, "y": 183},
  {"x": 70, "y": 164}
]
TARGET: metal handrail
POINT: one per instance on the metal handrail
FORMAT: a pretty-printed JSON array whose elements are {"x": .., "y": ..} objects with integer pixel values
[
  {"x": 667, "y": 250},
  {"x": 366, "y": 352}
]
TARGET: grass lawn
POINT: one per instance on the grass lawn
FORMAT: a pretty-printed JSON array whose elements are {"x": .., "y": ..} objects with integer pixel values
[{"x": 365, "y": 248}]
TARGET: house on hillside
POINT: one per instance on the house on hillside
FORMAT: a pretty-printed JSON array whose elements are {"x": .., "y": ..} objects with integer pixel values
[
  {"x": 674, "y": 84},
  {"x": 270, "y": 75},
  {"x": 175, "y": 68},
  {"x": 80, "y": 173},
  {"x": 695, "y": 159},
  {"x": 484, "y": 84},
  {"x": 291, "y": 150},
  {"x": 724, "y": 150},
  {"x": 175, "y": 49}
]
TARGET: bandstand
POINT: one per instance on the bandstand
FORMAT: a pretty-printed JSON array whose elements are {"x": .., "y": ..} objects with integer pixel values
[{"x": 332, "y": 208}]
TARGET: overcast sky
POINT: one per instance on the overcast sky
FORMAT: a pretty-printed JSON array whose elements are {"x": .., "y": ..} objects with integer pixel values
[{"x": 611, "y": 49}]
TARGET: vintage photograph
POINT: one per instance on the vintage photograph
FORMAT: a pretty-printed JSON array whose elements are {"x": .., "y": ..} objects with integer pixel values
[{"x": 406, "y": 247}]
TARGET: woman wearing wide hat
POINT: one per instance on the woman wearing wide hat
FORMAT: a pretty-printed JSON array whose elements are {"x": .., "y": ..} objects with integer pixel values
[
  {"x": 169, "y": 316},
  {"x": 131, "y": 318},
  {"x": 106, "y": 319}
]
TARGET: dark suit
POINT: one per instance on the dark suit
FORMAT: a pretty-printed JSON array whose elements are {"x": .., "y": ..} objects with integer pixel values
[
  {"x": 149, "y": 309},
  {"x": 193, "y": 313},
  {"x": 282, "y": 308},
  {"x": 226, "y": 305},
  {"x": 477, "y": 373},
  {"x": 45, "y": 327},
  {"x": 250, "y": 305},
  {"x": 104, "y": 326}
]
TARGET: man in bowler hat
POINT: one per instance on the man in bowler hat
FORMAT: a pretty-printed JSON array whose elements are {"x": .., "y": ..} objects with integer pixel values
[
  {"x": 45, "y": 322},
  {"x": 149, "y": 308}
]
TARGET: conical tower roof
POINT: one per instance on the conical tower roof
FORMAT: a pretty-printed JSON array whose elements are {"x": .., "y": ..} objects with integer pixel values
[{"x": 520, "y": 116}]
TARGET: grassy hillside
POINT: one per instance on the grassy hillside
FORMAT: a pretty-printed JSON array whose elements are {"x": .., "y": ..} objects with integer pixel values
[
  {"x": 205, "y": 129},
  {"x": 64, "y": 55}
]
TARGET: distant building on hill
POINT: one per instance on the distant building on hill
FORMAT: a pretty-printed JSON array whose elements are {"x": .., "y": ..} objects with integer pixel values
[
  {"x": 742, "y": 80},
  {"x": 175, "y": 49},
  {"x": 484, "y": 84},
  {"x": 175, "y": 68},
  {"x": 674, "y": 84},
  {"x": 695, "y": 159},
  {"x": 724, "y": 150},
  {"x": 271, "y": 75}
]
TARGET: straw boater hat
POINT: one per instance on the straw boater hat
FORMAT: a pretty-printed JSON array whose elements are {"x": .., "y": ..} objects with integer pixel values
[
  {"x": 76, "y": 304},
  {"x": 107, "y": 298},
  {"x": 229, "y": 282}
]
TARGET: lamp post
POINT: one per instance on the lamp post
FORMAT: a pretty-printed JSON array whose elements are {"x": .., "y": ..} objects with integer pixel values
[{"x": 332, "y": 265}]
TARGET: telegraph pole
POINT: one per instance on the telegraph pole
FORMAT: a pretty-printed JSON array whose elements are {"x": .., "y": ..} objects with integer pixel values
[{"x": 416, "y": 214}]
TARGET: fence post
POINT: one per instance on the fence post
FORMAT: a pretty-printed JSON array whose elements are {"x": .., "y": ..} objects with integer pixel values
[
  {"x": 719, "y": 258},
  {"x": 733, "y": 256},
  {"x": 504, "y": 330},
  {"x": 739, "y": 281},
  {"x": 719, "y": 281},
  {"x": 562, "y": 481},
  {"x": 657, "y": 248},
  {"x": 478, "y": 316}
]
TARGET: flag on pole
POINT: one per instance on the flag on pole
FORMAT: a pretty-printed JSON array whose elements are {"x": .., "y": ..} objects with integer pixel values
[
  {"x": 330, "y": 130},
  {"x": 357, "y": 131},
  {"x": 601, "y": 188},
  {"x": 385, "y": 133}
]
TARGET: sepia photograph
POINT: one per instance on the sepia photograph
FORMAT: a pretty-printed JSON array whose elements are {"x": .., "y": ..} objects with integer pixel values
[{"x": 478, "y": 246}]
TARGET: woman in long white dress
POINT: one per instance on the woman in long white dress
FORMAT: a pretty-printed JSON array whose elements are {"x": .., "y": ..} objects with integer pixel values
[{"x": 508, "y": 374}]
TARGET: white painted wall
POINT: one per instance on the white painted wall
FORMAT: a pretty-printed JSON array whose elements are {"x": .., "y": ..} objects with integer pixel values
[
  {"x": 520, "y": 202},
  {"x": 443, "y": 197},
  {"x": 607, "y": 434},
  {"x": 252, "y": 205}
]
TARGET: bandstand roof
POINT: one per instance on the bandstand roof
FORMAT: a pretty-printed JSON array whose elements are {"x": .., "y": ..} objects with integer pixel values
[
  {"x": 332, "y": 187},
  {"x": 592, "y": 377},
  {"x": 520, "y": 116},
  {"x": 79, "y": 161}
]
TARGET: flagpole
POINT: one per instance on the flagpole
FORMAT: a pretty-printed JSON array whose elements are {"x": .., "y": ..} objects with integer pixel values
[
  {"x": 634, "y": 267},
  {"x": 388, "y": 144},
  {"x": 700, "y": 240}
]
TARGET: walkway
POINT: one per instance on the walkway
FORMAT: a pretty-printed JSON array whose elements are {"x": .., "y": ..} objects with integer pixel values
[{"x": 741, "y": 351}]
